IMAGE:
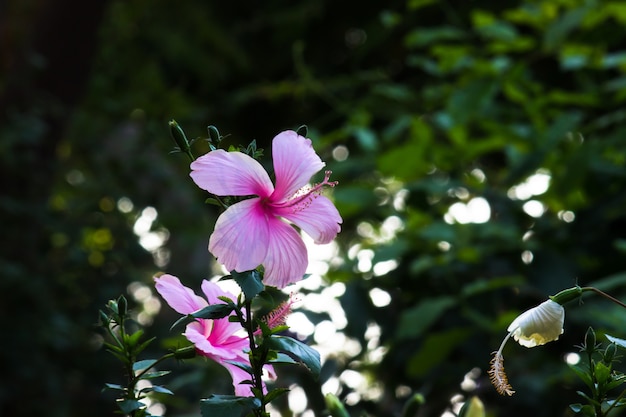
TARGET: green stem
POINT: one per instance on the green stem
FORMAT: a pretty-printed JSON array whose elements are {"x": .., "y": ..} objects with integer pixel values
[
  {"x": 605, "y": 295},
  {"x": 594, "y": 389},
  {"x": 257, "y": 359}
]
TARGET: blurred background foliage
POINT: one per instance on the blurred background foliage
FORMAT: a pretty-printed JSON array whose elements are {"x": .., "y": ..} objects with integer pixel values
[{"x": 480, "y": 148}]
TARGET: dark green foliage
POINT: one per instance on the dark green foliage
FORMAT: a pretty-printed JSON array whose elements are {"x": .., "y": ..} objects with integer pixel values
[{"x": 424, "y": 104}]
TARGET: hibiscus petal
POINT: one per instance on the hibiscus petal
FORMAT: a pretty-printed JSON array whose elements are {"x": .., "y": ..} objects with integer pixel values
[
  {"x": 286, "y": 258},
  {"x": 241, "y": 234},
  {"x": 239, "y": 375},
  {"x": 231, "y": 173},
  {"x": 295, "y": 162},
  {"x": 222, "y": 329},
  {"x": 212, "y": 291},
  {"x": 196, "y": 333},
  {"x": 182, "y": 299},
  {"x": 319, "y": 219}
]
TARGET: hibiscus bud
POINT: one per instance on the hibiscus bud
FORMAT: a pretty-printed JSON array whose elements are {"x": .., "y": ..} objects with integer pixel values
[
  {"x": 303, "y": 131},
  {"x": 104, "y": 319},
  {"x": 122, "y": 306},
  {"x": 590, "y": 341},
  {"x": 187, "y": 352},
  {"x": 214, "y": 135},
  {"x": 609, "y": 354},
  {"x": 179, "y": 136},
  {"x": 569, "y": 294}
]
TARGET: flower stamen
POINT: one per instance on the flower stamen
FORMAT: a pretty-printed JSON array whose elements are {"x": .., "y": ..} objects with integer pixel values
[
  {"x": 497, "y": 376},
  {"x": 303, "y": 197}
]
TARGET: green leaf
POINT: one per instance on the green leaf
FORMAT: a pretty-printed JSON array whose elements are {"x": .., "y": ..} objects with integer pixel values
[
  {"x": 426, "y": 36},
  {"x": 122, "y": 357},
  {"x": 588, "y": 398},
  {"x": 558, "y": 31},
  {"x": 214, "y": 311},
  {"x": 584, "y": 410},
  {"x": 115, "y": 387},
  {"x": 297, "y": 350},
  {"x": 414, "y": 321},
  {"x": 249, "y": 281},
  {"x": 619, "y": 342},
  {"x": 181, "y": 321},
  {"x": 145, "y": 364},
  {"x": 158, "y": 389},
  {"x": 275, "y": 393},
  {"x": 228, "y": 405},
  {"x": 144, "y": 345},
  {"x": 282, "y": 358},
  {"x": 603, "y": 373},
  {"x": 152, "y": 375},
  {"x": 335, "y": 407},
  {"x": 134, "y": 338},
  {"x": 213, "y": 201},
  {"x": 243, "y": 366},
  {"x": 617, "y": 380},
  {"x": 128, "y": 406},
  {"x": 583, "y": 375},
  {"x": 435, "y": 350}
]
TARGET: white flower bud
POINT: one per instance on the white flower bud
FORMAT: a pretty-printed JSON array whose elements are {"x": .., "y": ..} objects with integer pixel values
[
  {"x": 534, "y": 327},
  {"x": 539, "y": 325}
]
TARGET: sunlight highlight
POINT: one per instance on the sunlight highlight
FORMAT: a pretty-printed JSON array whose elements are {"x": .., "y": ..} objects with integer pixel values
[{"x": 477, "y": 210}]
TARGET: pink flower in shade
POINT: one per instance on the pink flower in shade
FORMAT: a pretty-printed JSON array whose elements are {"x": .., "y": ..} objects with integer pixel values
[
  {"x": 257, "y": 231},
  {"x": 215, "y": 339}
]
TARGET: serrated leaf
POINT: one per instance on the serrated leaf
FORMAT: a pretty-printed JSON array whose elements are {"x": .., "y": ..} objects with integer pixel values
[
  {"x": 228, "y": 405},
  {"x": 297, "y": 350},
  {"x": 145, "y": 364},
  {"x": 128, "y": 406},
  {"x": 250, "y": 282}
]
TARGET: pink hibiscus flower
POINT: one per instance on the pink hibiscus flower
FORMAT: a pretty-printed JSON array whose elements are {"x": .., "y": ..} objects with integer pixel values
[
  {"x": 257, "y": 231},
  {"x": 215, "y": 339}
]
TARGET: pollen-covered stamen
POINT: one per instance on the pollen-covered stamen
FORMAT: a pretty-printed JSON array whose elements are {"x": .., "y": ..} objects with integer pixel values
[
  {"x": 497, "y": 376},
  {"x": 305, "y": 195},
  {"x": 278, "y": 316}
]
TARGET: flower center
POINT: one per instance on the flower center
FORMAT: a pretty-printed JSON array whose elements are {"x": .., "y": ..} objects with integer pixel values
[{"x": 305, "y": 195}]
